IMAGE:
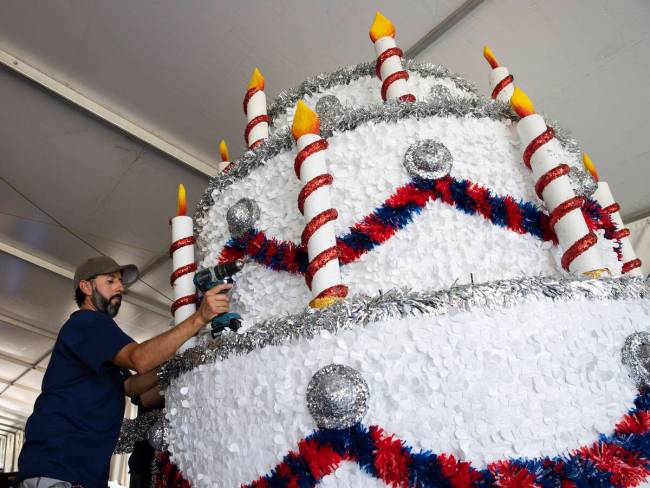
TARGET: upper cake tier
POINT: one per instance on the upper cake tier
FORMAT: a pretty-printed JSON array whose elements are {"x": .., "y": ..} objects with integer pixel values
[{"x": 428, "y": 194}]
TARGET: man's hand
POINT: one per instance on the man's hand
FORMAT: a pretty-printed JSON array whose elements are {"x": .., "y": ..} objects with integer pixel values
[{"x": 214, "y": 303}]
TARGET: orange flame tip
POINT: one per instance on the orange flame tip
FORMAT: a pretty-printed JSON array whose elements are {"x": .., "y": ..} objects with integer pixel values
[
  {"x": 381, "y": 27},
  {"x": 589, "y": 166},
  {"x": 257, "y": 80},
  {"x": 305, "y": 121},
  {"x": 182, "y": 201},
  {"x": 489, "y": 57},
  {"x": 223, "y": 150},
  {"x": 521, "y": 103}
]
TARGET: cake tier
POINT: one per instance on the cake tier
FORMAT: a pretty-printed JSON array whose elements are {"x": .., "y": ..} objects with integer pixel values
[
  {"x": 481, "y": 221},
  {"x": 523, "y": 368}
]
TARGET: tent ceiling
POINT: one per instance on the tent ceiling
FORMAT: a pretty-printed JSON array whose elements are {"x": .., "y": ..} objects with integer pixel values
[{"x": 73, "y": 186}]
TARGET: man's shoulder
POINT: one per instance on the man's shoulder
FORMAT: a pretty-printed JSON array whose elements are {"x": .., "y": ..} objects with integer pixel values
[{"x": 85, "y": 320}]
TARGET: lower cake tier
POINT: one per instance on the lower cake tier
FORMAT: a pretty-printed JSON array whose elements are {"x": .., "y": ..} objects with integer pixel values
[{"x": 475, "y": 382}]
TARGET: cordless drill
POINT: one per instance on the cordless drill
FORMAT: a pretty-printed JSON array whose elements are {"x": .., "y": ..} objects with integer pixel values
[{"x": 207, "y": 278}]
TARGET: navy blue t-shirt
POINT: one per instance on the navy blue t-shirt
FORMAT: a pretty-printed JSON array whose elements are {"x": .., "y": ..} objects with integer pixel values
[{"x": 73, "y": 430}]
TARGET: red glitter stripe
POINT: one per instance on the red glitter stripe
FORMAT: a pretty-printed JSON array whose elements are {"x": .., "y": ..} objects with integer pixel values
[
  {"x": 227, "y": 168},
  {"x": 182, "y": 271},
  {"x": 311, "y": 187},
  {"x": 630, "y": 265},
  {"x": 317, "y": 222},
  {"x": 410, "y": 98},
  {"x": 501, "y": 85},
  {"x": 256, "y": 143},
  {"x": 393, "y": 51},
  {"x": 614, "y": 207},
  {"x": 564, "y": 208},
  {"x": 186, "y": 300},
  {"x": 247, "y": 97},
  {"x": 257, "y": 120},
  {"x": 536, "y": 143},
  {"x": 318, "y": 262},
  {"x": 621, "y": 233},
  {"x": 390, "y": 79},
  {"x": 340, "y": 291},
  {"x": 550, "y": 175},
  {"x": 577, "y": 248},
  {"x": 319, "y": 145},
  {"x": 185, "y": 241}
]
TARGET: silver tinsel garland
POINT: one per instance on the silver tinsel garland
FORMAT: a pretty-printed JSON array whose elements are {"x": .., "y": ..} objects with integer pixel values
[
  {"x": 137, "y": 429},
  {"x": 361, "y": 311},
  {"x": 636, "y": 358},
  {"x": 347, "y": 74}
]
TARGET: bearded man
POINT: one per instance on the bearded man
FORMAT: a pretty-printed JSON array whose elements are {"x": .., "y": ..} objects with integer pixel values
[{"x": 70, "y": 436}]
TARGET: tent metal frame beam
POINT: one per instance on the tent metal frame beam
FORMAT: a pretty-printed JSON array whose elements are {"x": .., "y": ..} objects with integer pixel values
[
  {"x": 106, "y": 114},
  {"x": 20, "y": 362},
  {"x": 130, "y": 297},
  {"x": 19, "y": 386},
  {"x": 437, "y": 32},
  {"x": 22, "y": 324}
]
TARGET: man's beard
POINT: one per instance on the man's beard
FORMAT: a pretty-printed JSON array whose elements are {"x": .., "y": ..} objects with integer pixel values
[{"x": 105, "y": 305}]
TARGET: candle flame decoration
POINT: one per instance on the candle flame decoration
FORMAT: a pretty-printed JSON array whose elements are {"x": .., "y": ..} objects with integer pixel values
[
  {"x": 521, "y": 103},
  {"x": 257, "y": 80},
  {"x": 589, "y": 166},
  {"x": 305, "y": 121},
  {"x": 223, "y": 150},
  {"x": 182, "y": 201},
  {"x": 489, "y": 57},
  {"x": 381, "y": 27}
]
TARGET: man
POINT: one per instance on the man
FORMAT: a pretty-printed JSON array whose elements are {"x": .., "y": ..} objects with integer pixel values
[{"x": 70, "y": 436}]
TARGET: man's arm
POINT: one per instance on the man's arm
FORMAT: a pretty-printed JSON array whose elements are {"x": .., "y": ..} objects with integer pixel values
[
  {"x": 139, "y": 383},
  {"x": 152, "y": 398},
  {"x": 155, "y": 351}
]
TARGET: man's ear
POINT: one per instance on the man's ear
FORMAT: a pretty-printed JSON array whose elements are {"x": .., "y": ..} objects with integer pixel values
[{"x": 86, "y": 287}]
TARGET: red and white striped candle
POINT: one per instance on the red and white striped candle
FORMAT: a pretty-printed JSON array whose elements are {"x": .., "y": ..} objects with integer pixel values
[
  {"x": 225, "y": 163},
  {"x": 389, "y": 61},
  {"x": 603, "y": 195},
  {"x": 183, "y": 264},
  {"x": 257, "y": 126},
  {"x": 323, "y": 276},
  {"x": 500, "y": 78},
  {"x": 554, "y": 187}
]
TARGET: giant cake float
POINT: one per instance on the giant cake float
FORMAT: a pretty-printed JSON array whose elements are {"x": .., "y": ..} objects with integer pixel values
[{"x": 438, "y": 292}]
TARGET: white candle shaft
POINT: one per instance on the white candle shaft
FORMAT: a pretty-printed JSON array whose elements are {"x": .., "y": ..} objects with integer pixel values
[
  {"x": 182, "y": 227},
  {"x": 495, "y": 77},
  {"x": 603, "y": 195},
  {"x": 391, "y": 65}
]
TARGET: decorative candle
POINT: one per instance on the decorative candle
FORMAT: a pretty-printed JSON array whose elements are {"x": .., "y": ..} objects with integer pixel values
[
  {"x": 225, "y": 163},
  {"x": 257, "y": 127},
  {"x": 604, "y": 197},
  {"x": 500, "y": 78},
  {"x": 389, "y": 61},
  {"x": 554, "y": 187},
  {"x": 323, "y": 275},
  {"x": 182, "y": 253}
]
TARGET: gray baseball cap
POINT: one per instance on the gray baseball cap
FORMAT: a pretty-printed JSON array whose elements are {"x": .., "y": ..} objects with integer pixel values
[{"x": 100, "y": 265}]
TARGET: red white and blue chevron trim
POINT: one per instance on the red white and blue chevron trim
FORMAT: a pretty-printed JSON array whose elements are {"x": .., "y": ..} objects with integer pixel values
[
  {"x": 619, "y": 460},
  {"x": 399, "y": 210}
]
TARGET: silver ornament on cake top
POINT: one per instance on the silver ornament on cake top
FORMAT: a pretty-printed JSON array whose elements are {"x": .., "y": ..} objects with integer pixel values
[
  {"x": 636, "y": 358},
  {"x": 582, "y": 182},
  {"x": 440, "y": 93},
  {"x": 329, "y": 110},
  {"x": 241, "y": 217},
  {"x": 428, "y": 159},
  {"x": 156, "y": 436},
  {"x": 337, "y": 397}
]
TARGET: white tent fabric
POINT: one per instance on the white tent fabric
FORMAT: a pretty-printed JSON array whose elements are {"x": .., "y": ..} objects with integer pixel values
[{"x": 640, "y": 237}]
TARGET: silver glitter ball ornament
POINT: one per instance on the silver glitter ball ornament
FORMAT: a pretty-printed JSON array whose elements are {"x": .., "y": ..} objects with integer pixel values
[
  {"x": 329, "y": 110},
  {"x": 439, "y": 93},
  {"x": 241, "y": 217},
  {"x": 636, "y": 358},
  {"x": 156, "y": 436},
  {"x": 582, "y": 182},
  {"x": 428, "y": 159},
  {"x": 337, "y": 397}
]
